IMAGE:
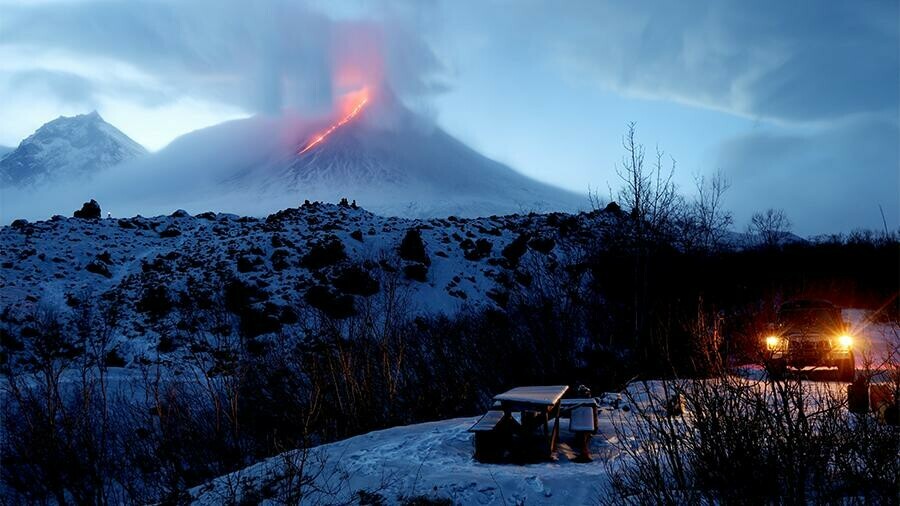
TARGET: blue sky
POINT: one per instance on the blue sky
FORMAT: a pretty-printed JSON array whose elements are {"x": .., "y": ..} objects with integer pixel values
[{"x": 797, "y": 103}]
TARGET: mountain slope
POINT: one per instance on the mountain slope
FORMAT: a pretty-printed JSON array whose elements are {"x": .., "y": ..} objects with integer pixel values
[
  {"x": 67, "y": 150},
  {"x": 395, "y": 162},
  {"x": 345, "y": 256}
]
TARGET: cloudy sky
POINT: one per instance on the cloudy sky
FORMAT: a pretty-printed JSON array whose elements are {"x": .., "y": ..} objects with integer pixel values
[{"x": 796, "y": 102}]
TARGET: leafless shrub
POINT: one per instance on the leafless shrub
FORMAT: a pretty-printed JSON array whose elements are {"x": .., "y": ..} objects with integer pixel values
[
  {"x": 740, "y": 440},
  {"x": 57, "y": 440},
  {"x": 703, "y": 223},
  {"x": 770, "y": 226}
]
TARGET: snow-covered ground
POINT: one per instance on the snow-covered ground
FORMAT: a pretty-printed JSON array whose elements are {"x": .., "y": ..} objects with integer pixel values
[
  {"x": 877, "y": 345},
  {"x": 435, "y": 459}
]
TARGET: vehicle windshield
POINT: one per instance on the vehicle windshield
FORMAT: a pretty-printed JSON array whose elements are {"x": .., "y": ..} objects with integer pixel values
[{"x": 810, "y": 317}]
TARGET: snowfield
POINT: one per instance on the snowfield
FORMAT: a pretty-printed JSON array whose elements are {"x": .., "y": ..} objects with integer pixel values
[{"x": 435, "y": 459}]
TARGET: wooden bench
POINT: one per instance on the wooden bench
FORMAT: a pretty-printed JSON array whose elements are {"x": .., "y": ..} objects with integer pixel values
[
  {"x": 582, "y": 421},
  {"x": 488, "y": 422},
  {"x": 490, "y": 439}
]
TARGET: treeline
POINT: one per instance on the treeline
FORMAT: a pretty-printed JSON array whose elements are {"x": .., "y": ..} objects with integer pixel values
[{"x": 669, "y": 262}]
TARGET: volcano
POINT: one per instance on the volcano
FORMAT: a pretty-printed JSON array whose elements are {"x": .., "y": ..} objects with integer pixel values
[
  {"x": 397, "y": 163},
  {"x": 394, "y": 162},
  {"x": 378, "y": 152}
]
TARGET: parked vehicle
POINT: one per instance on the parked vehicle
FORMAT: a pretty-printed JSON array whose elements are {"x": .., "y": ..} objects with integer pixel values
[{"x": 809, "y": 333}]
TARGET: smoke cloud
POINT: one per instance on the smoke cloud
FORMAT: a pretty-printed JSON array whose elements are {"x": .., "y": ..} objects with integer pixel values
[{"x": 262, "y": 57}]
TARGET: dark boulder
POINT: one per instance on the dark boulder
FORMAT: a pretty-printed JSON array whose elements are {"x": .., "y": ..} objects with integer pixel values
[
  {"x": 481, "y": 249},
  {"x": 170, "y": 231},
  {"x": 542, "y": 244},
  {"x": 89, "y": 211},
  {"x": 514, "y": 250},
  {"x": 98, "y": 267},
  {"x": 328, "y": 252}
]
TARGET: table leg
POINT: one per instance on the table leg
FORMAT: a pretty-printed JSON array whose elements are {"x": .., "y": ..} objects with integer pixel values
[{"x": 555, "y": 431}]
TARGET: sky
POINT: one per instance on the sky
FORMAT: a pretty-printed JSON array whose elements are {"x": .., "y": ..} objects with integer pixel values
[{"x": 795, "y": 102}]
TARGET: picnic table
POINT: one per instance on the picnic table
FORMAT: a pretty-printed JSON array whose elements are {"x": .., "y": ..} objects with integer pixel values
[{"x": 498, "y": 433}]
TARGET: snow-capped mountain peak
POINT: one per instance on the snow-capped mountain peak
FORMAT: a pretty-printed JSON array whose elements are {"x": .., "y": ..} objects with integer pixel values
[{"x": 67, "y": 149}]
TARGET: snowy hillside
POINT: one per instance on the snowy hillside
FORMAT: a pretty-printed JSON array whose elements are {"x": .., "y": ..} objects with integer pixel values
[
  {"x": 333, "y": 257},
  {"x": 67, "y": 150}
]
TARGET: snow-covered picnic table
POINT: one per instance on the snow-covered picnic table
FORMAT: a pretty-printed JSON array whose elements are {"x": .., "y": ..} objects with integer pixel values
[
  {"x": 536, "y": 396},
  {"x": 499, "y": 434}
]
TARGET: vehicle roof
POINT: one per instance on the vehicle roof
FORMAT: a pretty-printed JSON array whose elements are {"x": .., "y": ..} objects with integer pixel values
[{"x": 807, "y": 304}]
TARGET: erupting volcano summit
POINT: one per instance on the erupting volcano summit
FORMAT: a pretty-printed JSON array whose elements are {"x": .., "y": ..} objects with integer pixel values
[{"x": 357, "y": 101}]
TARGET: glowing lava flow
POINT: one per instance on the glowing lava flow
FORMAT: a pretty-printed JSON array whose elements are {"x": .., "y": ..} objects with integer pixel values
[{"x": 318, "y": 138}]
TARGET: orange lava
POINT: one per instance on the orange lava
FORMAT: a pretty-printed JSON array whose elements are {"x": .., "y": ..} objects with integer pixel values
[{"x": 353, "y": 103}]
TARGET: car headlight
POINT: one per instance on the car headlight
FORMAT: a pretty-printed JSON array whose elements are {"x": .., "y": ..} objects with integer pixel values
[
  {"x": 845, "y": 341},
  {"x": 773, "y": 342}
]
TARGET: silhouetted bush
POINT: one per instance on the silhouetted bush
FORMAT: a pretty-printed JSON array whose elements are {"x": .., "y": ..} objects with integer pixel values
[
  {"x": 328, "y": 252},
  {"x": 412, "y": 247},
  {"x": 743, "y": 441},
  {"x": 332, "y": 304},
  {"x": 356, "y": 280},
  {"x": 416, "y": 272}
]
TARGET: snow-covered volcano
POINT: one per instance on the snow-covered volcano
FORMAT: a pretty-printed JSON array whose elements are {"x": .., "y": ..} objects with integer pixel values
[
  {"x": 387, "y": 158},
  {"x": 397, "y": 163},
  {"x": 67, "y": 150}
]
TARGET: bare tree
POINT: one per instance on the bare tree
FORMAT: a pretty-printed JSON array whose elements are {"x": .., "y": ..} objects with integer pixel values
[
  {"x": 651, "y": 197},
  {"x": 709, "y": 214},
  {"x": 648, "y": 192},
  {"x": 770, "y": 226}
]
